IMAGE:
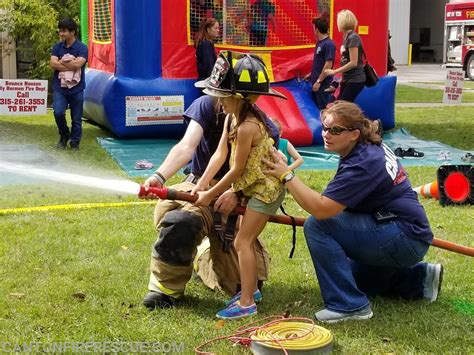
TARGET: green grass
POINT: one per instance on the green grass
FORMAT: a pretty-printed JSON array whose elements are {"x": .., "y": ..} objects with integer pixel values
[
  {"x": 81, "y": 274},
  {"x": 449, "y": 125},
  {"x": 468, "y": 84},
  {"x": 410, "y": 94}
]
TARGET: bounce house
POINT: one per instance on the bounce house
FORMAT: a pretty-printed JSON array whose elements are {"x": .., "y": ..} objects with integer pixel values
[{"x": 142, "y": 66}]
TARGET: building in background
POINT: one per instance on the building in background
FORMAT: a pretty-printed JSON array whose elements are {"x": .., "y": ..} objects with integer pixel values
[{"x": 421, "y": 24}]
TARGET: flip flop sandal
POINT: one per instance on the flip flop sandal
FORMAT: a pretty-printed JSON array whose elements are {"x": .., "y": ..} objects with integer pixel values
[
  {"x": 444, "y": 156},
  {"x": 143, "y": 165}
]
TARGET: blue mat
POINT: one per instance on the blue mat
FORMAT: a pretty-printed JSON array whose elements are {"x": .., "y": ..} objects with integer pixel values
[{"x": 128, "y": 152}]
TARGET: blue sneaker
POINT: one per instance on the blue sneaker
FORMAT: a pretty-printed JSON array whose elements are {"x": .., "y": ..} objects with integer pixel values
[
  {"x": 257, "y": 297},
  {"x": 236, "y": 311}
]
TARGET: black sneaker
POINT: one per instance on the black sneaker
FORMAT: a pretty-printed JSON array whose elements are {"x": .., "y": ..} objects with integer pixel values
[
  {"x": 399, "y": 152},
  {"x": 154, "y": 300},
  {"x": 74, "y": 145},
  {"x": 413, "y": 153},
  {"x": 408, "y": 153},
  {"x": 62, "y": 143}
]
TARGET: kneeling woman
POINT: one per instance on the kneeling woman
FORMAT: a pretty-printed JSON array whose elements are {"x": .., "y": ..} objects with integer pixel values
[{"x": 367, "y": 232}]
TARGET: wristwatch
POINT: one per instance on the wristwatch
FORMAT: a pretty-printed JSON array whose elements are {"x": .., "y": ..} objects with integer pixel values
[{"x": 288, "y": 177}]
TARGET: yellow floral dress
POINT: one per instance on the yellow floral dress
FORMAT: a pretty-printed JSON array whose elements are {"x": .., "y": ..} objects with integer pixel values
[{"x": 253, "y": 182}]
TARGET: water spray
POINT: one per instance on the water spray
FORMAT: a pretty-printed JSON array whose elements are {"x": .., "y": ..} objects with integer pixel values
[
  {"x": 170, "y": 194},
  {"x": 113, "y": 185}
]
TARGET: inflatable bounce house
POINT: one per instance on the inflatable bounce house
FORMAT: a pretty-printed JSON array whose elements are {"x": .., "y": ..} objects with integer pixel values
[{"x": 142, "y": 66}]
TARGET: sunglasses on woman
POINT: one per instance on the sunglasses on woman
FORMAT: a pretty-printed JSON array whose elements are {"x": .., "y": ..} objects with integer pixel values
[{"x": 336, "y": 130}]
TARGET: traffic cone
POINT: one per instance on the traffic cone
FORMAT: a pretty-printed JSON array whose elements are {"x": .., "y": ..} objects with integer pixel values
[
  {"x": 456, "y": 184},
  {"x": 428, "y": 190}
]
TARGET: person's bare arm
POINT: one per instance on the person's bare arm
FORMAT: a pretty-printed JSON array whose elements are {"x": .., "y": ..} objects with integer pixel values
[
  {"x": 74, "y": 64},
  {"x": 353, "y": 60},
  {"x": 317, "y": 84},
  {"x": 271, "y": 19},
  {"x": 179, "y": 155},
  {"x": 226, "y": 202},
  {"x": 245, "y": 135},
  {"x": 297, "y": 158},
  {"x": 56, "y": 64}
]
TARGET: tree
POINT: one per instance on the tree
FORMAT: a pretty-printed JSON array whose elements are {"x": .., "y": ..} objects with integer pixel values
[{"x": 33, "y": 24}]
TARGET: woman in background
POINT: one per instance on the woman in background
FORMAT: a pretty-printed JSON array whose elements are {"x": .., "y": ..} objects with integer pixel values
[
  {"x": 204, "y": 44},
  {"x": 352, "y": 65}
]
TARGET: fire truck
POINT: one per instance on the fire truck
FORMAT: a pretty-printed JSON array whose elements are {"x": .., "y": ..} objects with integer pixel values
[{"x": 458, "y": 46}]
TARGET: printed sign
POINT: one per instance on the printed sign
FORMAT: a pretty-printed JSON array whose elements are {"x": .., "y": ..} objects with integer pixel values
[
  {"x": 454, "y": 85},
  {"x": 23, "y": 97},
  {"x": 154, "y": 110}
]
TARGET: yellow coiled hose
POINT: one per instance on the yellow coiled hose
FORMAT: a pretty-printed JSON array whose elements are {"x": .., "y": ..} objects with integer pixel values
[{"x": 292, "y": 335}]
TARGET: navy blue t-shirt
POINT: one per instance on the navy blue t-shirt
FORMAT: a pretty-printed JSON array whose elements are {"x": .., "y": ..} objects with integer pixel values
[
  {"x": 324, "y": 51},
  {"x": 205, "y": 59},
  {"x": 203, "y": 111},
  {"x": 371, "y": 179},
  {"x": 77, "y": 49}
]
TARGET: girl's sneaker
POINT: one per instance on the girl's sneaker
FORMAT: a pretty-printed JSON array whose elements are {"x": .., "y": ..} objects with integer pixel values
[
  {"x": 236, "y": 311},
  {"x": 257, "y": 297}
]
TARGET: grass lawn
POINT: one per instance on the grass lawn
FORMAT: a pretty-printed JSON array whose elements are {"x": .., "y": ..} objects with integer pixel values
[
  {"x": 406, "y": 93},
  {"x": 468, "y": 84},
  {"x": 79, "y": 275}
]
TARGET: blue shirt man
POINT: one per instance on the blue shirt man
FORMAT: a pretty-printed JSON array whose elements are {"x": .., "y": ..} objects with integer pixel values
[
  {"x": 323, "y": 59},
  {"x": 68, "y": 59}
]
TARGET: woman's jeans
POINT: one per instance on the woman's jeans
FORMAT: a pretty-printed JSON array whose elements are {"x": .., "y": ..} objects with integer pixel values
[
  {"x": 355, "y": 257},
  {"x": 60, "y": 104}
]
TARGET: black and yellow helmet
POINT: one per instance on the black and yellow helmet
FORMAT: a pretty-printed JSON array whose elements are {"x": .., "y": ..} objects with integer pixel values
[{"x": 236, "y": 72}]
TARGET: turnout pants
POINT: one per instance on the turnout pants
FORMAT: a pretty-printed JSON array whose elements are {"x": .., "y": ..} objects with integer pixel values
[{"x": 182, "y": 229}]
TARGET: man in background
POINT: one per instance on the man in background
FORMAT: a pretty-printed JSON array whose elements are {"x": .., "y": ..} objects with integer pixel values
[{"x": 68, "y": 59}]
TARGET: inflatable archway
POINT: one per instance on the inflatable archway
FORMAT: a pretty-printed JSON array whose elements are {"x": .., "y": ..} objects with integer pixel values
[{"x": 142, "y": 63}]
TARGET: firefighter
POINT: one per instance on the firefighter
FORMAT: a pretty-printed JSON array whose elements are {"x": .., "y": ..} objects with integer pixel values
[{"x": 181, "y": 227}]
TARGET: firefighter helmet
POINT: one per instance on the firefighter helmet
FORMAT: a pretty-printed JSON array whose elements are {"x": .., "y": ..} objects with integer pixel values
[{"x": 241, "y": 73}]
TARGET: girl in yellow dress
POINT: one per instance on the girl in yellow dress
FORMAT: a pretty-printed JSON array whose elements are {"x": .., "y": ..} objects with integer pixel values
[{"x": 238, "y": 79}]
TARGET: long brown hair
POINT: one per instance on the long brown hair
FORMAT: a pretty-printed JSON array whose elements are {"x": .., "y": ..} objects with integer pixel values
[
  {"x": 351, "y": 116},
  {"x": 248, "y": 108},
  {"x": 202, "y": 34}
]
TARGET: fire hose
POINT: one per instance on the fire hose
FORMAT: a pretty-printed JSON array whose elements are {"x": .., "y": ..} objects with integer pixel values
[{"x": 171, "y": 194}]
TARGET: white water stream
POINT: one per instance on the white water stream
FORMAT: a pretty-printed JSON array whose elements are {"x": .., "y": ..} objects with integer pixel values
[{"x": 122, "y": 186}]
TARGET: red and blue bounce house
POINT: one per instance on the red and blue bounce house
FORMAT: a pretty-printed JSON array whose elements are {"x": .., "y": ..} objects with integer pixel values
[{"x": 142, "y": 66}]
